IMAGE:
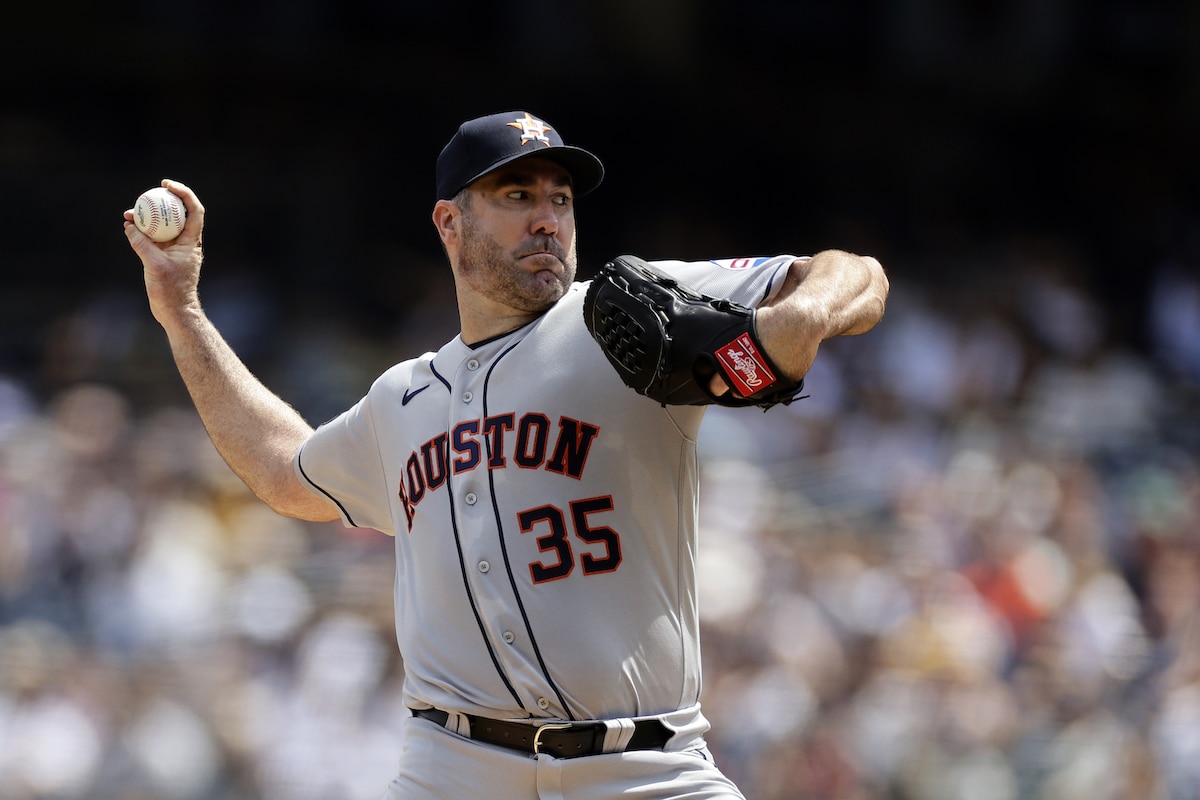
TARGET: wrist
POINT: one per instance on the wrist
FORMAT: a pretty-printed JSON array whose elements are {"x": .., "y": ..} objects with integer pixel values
[
  {"x": 790, "y": 336},
  {"x": 182, "y": 319}
]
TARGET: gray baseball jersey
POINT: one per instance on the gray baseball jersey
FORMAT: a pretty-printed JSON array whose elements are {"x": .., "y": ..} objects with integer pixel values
[{"x": 544, "y": 516}]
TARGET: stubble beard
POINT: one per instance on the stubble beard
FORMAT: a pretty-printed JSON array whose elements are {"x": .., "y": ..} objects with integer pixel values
[{"x": 496, "y": 274}]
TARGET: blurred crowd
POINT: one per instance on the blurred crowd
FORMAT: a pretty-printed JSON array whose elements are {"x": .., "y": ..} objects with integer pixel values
[{"x": 966, "y": 566}]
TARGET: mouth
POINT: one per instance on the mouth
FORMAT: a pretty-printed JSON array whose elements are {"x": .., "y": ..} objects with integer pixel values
[
  {"x": 542, "y": 246},
  {"x": 541, "y": 255}
]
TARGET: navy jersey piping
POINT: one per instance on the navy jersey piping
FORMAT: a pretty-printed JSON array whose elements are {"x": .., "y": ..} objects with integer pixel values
[
  {"x": 462, "y": 566},
  {"x": 537, "y": 651},
  {"x": 315, "y": 485},
  {"x": 438, "y": 375}
]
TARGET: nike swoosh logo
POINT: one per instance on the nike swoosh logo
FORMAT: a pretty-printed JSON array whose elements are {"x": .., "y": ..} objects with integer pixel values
[{"x": 410, "y": 394}]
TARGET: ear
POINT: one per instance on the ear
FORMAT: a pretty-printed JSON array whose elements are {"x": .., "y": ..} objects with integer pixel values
[{"x": 446, "y": 217}]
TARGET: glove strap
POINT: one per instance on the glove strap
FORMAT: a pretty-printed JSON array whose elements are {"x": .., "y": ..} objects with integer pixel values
[{"x": 745, "y": 366}]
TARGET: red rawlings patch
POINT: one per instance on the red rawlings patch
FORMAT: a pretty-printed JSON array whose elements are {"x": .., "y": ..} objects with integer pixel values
[{"x": 745, "y": 366}]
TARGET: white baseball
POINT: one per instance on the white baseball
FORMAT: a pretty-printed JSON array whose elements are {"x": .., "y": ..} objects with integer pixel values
[{"x": 159, "y": 214}]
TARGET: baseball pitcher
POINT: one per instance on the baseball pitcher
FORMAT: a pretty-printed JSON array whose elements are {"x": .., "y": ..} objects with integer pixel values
[{"x": 538, "y": 472}]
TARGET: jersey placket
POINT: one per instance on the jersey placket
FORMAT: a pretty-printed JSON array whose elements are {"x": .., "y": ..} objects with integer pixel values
[{"x": 477, "y": 522}]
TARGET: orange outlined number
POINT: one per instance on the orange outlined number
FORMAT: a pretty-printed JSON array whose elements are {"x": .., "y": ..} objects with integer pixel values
[
  {"x": 556, "y": 541},
  {"x": 600, "y": 535}
]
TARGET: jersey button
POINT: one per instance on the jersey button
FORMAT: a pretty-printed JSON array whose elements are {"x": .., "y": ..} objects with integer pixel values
[
  {"x": 510, "y": 637},
  {"x": 543, "y": 703},
  {"x": 469, "y": 498},
  {"x": 484, "y": 566},
  {"x": 473, "y": 364},
  {"x": 468, "y": 397}
]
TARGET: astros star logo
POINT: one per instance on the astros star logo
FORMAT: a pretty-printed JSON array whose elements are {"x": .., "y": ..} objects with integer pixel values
[{"x": 532, "y": 129}]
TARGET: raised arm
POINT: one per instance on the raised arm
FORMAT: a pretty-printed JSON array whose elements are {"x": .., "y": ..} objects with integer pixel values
[
  {"x": 255, "y": 431},
  {"x": 833, "y": 293}
]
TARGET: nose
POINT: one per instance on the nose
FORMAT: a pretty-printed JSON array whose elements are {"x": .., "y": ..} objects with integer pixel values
[{"x": 544, "y": 218}]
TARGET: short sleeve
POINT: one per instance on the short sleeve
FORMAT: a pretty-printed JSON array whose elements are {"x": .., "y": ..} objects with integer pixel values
[
  {"x": 341, "y": 462},
  {"x": 748, "y": 281}
]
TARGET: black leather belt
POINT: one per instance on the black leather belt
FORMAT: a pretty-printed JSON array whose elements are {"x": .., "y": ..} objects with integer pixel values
[{"x": 561, "y": 740}]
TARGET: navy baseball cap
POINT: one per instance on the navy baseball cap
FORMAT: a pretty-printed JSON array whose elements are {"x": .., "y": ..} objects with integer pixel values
[{"x": 487, "y": 143}]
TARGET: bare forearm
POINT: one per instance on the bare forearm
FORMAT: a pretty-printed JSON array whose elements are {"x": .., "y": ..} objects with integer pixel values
[
  {"x": 255, "y": 431},
  {"x": 834, "y": 293}
]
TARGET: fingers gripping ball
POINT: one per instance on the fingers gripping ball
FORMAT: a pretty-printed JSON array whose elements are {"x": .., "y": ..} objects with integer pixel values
[
  {"x": 159, "y": 214},
  {"x": 667, "y": 341}
]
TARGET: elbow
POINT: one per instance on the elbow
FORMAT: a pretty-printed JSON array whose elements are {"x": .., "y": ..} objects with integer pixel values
[
  {"x": 868, "y": 308},
  {"x": 287, "y": 497},
  {"x": 878, "y": 288},
  {"x": 306, "y": 509}
]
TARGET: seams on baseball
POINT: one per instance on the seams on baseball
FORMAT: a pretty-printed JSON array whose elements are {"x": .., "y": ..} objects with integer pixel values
[{"x": 159, "y": 214}]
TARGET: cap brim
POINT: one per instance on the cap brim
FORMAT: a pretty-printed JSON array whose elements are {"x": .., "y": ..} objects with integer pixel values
[{"x": 586, "y": 170}]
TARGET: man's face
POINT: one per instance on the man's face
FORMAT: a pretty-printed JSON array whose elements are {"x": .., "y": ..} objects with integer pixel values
[{"x": 517, "y": 244}]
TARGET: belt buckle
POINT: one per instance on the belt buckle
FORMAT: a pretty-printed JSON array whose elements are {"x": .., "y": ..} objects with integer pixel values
[{"x": 549, "y": 726}]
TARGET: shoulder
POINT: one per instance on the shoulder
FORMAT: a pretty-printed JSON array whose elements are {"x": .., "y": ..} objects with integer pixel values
[{"x": 401, "y": 376}]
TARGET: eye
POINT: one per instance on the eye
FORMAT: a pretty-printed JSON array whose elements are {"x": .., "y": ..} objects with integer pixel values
[{"x": 562, "y": 200}]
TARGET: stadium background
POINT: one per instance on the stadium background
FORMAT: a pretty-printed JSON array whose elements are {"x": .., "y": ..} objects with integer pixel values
[{"x": 966, "y": 567}]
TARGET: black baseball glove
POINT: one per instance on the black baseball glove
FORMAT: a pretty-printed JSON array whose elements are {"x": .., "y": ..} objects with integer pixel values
[{"x": 667, "y": 341}]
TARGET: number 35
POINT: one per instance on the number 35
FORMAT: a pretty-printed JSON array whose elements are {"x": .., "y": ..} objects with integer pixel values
[{"x": 556, "y": 541}]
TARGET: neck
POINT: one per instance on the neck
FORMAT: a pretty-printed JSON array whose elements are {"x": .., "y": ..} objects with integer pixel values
[
  {"x": 481, "y": 320},
  {"x": 473, "y": 335}
]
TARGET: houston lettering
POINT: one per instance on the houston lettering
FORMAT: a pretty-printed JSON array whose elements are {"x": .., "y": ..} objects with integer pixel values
[{"x": 496, "y": 442}]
